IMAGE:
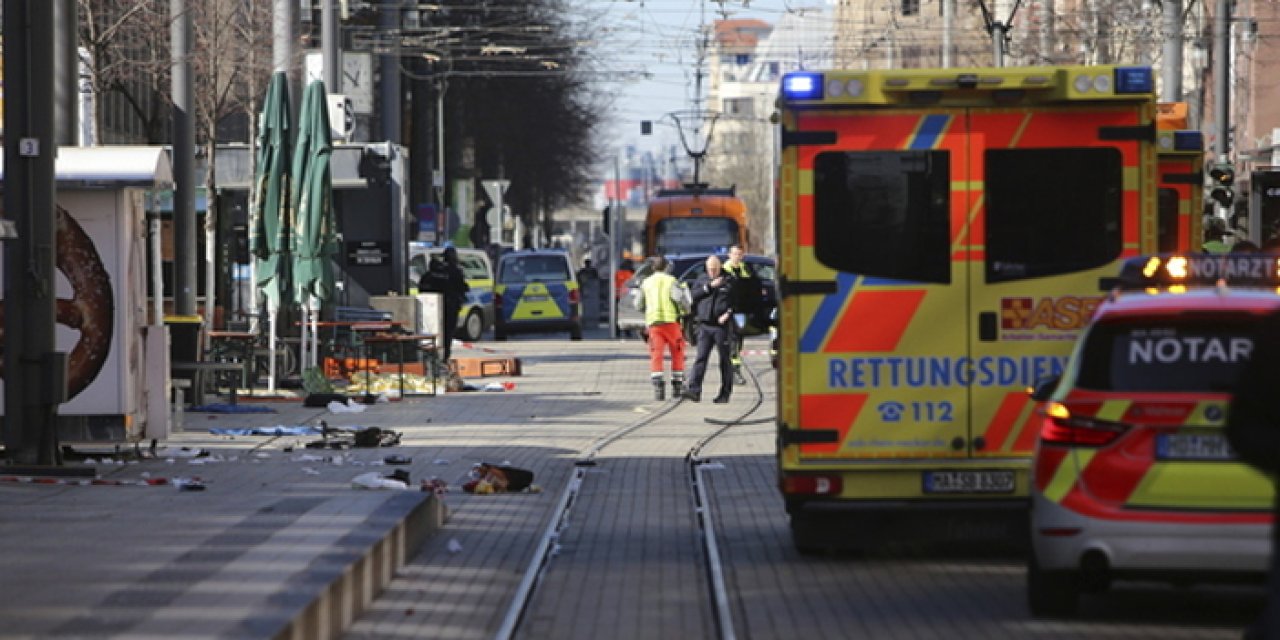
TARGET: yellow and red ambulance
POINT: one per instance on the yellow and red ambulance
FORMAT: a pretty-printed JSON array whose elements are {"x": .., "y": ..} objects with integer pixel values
[
  {"x": 1180, "y": 203},
  {"x": 941, "y": 238}
]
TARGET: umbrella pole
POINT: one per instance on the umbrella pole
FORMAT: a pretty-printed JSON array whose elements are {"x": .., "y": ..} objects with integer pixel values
[
  {"x": 255, "y": 311},
  {"x": 271, "y": 351},
  {"x": 315, "y": 334}
]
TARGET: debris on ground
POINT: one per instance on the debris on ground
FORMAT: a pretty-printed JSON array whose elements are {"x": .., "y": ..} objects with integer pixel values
[
  {"x": 372, "y": 480},
  {"x": 494, "y": 478}
]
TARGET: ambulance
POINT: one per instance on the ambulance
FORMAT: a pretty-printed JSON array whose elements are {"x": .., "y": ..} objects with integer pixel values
[
  {"x": 1180, "y": 203},
  {"x": 941, "y": 239}
]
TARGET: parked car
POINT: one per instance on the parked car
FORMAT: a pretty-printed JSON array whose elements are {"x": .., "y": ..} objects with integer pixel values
[
  {"x": 1133, "y": 477},
  {"x": 537, "y": 290},
  {"x": 477, "y": 313}
]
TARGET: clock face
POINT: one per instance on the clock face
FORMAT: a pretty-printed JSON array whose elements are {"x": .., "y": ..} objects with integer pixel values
[{"x": 357, "y": 80}]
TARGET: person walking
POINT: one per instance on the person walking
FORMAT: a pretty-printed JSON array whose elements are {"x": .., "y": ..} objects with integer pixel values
[
  {"x": 659, "y": 299},
  {"x": 445, "y": 277},
  {"x": 745, "y": 298},
  {"x": 712, "y": 311}
]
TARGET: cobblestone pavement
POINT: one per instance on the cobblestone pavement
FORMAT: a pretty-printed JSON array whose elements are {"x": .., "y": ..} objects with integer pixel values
[{"x": 251, "y": 555}]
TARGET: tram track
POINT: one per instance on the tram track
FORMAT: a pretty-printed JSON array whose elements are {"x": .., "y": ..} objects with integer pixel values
[{"x": 547, "y": 546}]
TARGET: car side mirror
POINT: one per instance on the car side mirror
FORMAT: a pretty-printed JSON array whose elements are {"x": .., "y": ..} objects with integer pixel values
[{"x": 1044, "y": 388}]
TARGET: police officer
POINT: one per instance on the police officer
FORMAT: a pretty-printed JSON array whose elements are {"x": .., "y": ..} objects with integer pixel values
[
  {"x": 658, "y": 295},
  {"x": 446, "y": 278},
  {"x": 713, "y": 313},
  {"x": 745, "y": 298}
]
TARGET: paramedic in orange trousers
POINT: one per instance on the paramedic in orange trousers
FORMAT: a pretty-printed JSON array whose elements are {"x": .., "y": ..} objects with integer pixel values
[
  {"x": 712, "y": 311},
  {"x": 1253, "y": 429},
  {"x": 662, "y": 322}
]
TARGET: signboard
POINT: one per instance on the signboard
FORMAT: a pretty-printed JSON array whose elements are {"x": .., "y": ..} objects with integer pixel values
[
  {"x": 368, "y": 253},
  {"x": 428, "y": 223}
]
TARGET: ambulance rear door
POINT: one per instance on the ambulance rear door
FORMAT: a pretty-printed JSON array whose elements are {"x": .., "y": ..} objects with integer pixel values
[
  {"x": 878, "y": 356},
  {"x": 1055, "y": 197}
]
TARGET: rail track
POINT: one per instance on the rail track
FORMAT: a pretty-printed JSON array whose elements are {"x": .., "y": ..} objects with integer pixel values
[{"x": 548, "y": 545}]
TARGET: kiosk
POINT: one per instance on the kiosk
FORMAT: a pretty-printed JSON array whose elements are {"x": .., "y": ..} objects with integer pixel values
[{"x": 118, "y": 385}]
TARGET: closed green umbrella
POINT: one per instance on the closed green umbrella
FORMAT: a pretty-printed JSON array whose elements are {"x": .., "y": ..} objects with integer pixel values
[
  {"x": 314, "y": 235},
  {"x": 269, "y": 217}
]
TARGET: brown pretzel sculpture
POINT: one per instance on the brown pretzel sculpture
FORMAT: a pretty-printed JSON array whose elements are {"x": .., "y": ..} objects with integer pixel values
[{"x": 91, "y": 310}]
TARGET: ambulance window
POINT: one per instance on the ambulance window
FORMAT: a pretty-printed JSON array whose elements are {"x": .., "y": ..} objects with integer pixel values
[
  {"x": 1052, "y": 211},
  {"x": 1167, "y": 234},
  {"x": 884, "y": 213},
  {"x": 1206, "y": 354}
]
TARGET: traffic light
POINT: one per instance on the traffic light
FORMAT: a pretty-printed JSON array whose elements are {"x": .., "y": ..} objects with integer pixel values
[{"x": 1222, "y": 176}]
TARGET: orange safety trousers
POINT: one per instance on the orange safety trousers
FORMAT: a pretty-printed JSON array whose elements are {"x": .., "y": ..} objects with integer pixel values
[{"x": 663, "y": 337}]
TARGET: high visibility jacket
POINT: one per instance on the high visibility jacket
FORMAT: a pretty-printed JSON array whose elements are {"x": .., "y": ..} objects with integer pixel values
[{"x": 658, "y": 305}]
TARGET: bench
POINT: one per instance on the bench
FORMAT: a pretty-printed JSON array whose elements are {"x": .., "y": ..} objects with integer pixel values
[{"x": 202, "y": 372}]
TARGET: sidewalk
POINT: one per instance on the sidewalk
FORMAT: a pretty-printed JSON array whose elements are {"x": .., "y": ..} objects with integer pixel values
[{"x": 278, "y": 543}]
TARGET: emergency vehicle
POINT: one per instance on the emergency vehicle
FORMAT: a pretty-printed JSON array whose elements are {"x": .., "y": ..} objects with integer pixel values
[
  {"x": 1133, "y": 474},
  {"x": 1181, "y": 180},
  {"x": 941, "y": 238}
]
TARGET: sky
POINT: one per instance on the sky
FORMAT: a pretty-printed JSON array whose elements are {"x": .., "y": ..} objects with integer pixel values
[{"x": 648, "y": 56}]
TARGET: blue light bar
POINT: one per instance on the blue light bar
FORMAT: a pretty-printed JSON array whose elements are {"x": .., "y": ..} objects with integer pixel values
[
  {"x": 802, "y": 86},
  {"x": 1188, "y": 141},
  {"x": 1134, "y": 80}
]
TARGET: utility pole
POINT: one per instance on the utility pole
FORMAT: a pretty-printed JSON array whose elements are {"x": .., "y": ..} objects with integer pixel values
[
  {"x": 1221, "y": 78},
  {"x": 66, "y": 69},
  {"x": 330, "y": 48},
  {"x": 1222, "y": 88},
  {"x": 1046, "y": 31},
  {"x": 389, "y": 81},
  {"x": 184, "y": 153},
  {"x": 948, "y": 32},
  {"x": 1171, "y": 67},
  {"x": 33, "y": 386}
]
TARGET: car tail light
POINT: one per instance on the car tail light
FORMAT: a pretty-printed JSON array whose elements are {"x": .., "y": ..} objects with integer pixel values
[
  {"x": 812, "y": 485},
  {"x": 497, "y": 300},
  {"x": 1063, "y": 428},
  {"x": 573, "y": 296}
]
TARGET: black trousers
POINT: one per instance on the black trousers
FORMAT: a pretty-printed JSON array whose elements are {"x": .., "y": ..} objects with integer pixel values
[
  {"x": 450, "y": 327},
  {"x": 721, "y": 338}
]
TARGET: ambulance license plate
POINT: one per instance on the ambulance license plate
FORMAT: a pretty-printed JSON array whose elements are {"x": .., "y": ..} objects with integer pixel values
[
  {"x": 1187, "y": 446},
  {"x": 536, "y": 298},
  {"x": 968, "y": 482}
]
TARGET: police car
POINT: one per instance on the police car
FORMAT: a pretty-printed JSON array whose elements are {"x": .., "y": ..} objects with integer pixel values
[
  {"x": 537, "y": 290},
  {"x": 1132, "y": 475}
]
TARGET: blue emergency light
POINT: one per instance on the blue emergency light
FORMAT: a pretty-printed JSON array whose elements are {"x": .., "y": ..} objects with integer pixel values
[
  {"x": 802, "y": 86},
  {"x": 1168, "y": 270},
  {"x": 1188, "y": 141},
  {"x": 1134, "y": 80}
]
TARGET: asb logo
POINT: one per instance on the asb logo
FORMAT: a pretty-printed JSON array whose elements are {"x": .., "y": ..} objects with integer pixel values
[{"x": 1066, "y": 313}]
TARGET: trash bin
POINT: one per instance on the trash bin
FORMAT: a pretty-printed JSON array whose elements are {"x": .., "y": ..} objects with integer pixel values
[{"x": 184, "y": 338}]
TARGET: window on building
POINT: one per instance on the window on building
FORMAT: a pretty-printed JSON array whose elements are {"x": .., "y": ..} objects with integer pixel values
[
  {"x": 738, "y": 106},
  {"x": 910, "y": 7}
]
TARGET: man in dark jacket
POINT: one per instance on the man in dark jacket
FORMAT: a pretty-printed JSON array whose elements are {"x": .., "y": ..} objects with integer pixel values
[
  {"x": 1253, "y": 429},
  {"x": 712, "y": 313},
  {"x": 446, "y": 278}
]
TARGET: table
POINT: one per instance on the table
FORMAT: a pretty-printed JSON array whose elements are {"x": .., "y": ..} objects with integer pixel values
[
  {"x": 198, "y": 371},
  {"x": 399, "y": 339}
]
